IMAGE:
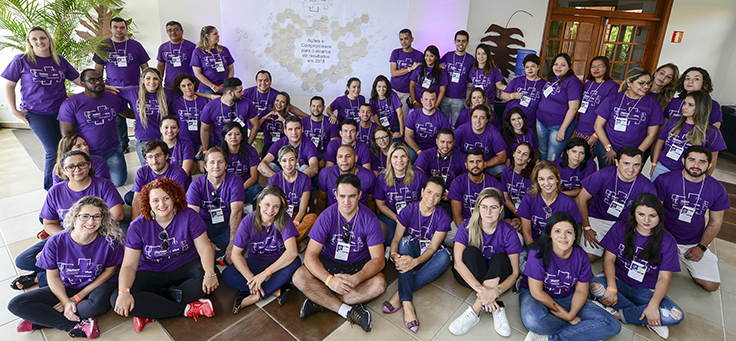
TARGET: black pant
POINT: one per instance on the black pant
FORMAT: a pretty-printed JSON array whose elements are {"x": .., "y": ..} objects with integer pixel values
[
  {"x": 37, "y": 306},
  {"x": 149, "y": 304},
  {"x": 499, "y": 266}
]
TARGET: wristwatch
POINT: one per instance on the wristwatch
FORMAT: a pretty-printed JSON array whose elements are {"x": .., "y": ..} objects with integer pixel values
[{"x": 702, "y": 247}]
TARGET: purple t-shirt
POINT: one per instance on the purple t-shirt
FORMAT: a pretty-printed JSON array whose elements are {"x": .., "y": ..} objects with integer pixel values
[
  {"x": 449, "y": 168},
  {"x": 189, "y": 114},
  {"x": 177, "y": 58},
  {"x": 486, "y": 82},
  {"x": 183, "y": 150},
  {"x": 98, "y": 163},
  {"x": 404, "y": 60},
  {"x": 345, "y": 107},
  {"x": 458, "y": 69},
  {"x": 94, "y": 119},
  {"x": 426, "y": 127},
  {"x": 674, "y": 109},
  {"x": 365, "y": 231},
  {"x": 361, "y": 150},
  {"x": 387, "y": 111},
  {"x": 423, "y": 228},
  {"x": 529, "y": 138},
  {"x": 292, "y": 190},
  {"x": 60, "y": 198},
  {"x": 200, "y": 195},
  {"x": 119, "y": 74},
  {"x": 423, "y": 79},
  {"x": 365, "y": 135},
  {"x": 552, "y": 109},
  {"x": 466, "y": 191},
  {"x": 272, "y": 129},
  {"x": 328, "y": 176},
  {"x": 217, "y": 114},
  {"x": 464, "y": 117},
  {"x": 634, "y": 116},
  {"x": 534, "y": 208},
  {"x": 209, "y": 62},
  {"x": 561, "y": 276},
  {"x": 42, "y": 88},
  {"x": 675, "y": 145},
  {"x": 400, "y": 195},
  {"x": 320, "y": 133},
  {"x": 241, "y": 163},
  {"x": 143, "y": 235},
  {"x": 668, "y": 259},
  {"x": 306, "y": 150},
  {"x": 80, "y": 265},
  {"x": 593, "y": 97},
  {"x": 261, "y": 101},
  {"x": 267, "y": 245},
  {"x": 173, "y": 172},
  {"x": 572, "y": 177},
  {"x": 676, "y": 192},
  {"x": 531, "y": 89},
  {"x": 605, "y": 187},
  {"x": 490, "y": 141},
  {"x": 378, "y": 163},
  {"x": 151, "y": 131},
  {"x": 503, "y": 240},
  {"x": 515, "y": 185}
]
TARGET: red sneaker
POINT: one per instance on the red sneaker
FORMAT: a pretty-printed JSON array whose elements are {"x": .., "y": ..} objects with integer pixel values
[
  {"x": 86, "y": 328},
  {"x": 25, "y": 326},
  {"x": 139, "y": 323},
  {"x": 203, "y": 306}
]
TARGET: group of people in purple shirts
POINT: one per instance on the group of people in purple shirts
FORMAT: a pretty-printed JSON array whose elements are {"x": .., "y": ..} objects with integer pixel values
[{"x": 423, "y": 173}]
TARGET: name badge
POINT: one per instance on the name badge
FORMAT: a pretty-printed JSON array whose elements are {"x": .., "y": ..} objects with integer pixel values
[
  {"x": 290, "y": 210},
  {"x": 192, "y": 125},
  {"x": 219, "y": 67},
  {"x": 583, "y": 107},
  {"x": 517, "y": 202},
  {"x": 675, "y": 152},
  {"x": 686, "y": 214},
  {"x": 217, "y": 215},
  {"x": 315, "y": 140},
  {"x": 275, "y": 137},
  {"x": 525, "y": 101},
  {"x": 122, "y": 61},
  {"x": 444, "y": 177},
  {"x": 342, "y": 251},
  {"x": 548, "y": 91},
  {"x": 384, "y": 121},
  {"x": 456, "y": 77},
  {"x": 426, "y": 83},
  {"x": 239, "y": 121},
  {"x": 620, "y": 124},
  {"x": 637, "y": 271},
  {"x": 615, "y": 209},
  {"x": 400, "y": 206},
  {"x": 423, "y": 245},
  {"x": 176, "y": 61}
]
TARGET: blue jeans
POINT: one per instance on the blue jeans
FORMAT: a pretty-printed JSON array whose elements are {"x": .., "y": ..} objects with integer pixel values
[
  {"x": 232, "y": 277},
  {"x": 659, "y": 170},
  {"x": 633, "y": 300},
  {"x": 452, "y": 108},
  {"x": 409, "y": 282},
  {"x": 595, "y": 322},
  {"x": 549, "y": 148},
  {"x": 26, "y": 260},
  {"x": 139, "y": 150},
  {"x": 46, "y": 128},
  {"x": 219, "y": 235},
  {"x": 391, "y": 224},
  {"x": 252, "y": 192},
  {"x": 600, "y": 151},
  {"x": 122, "y": 126},
  {"x": 116, "y": 163}
]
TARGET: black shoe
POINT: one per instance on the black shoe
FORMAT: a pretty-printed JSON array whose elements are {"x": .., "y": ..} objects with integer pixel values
[
  {"x": 284, "y": 297},
  {"x": 309, "y": 308},
  {"x": 360, "y": 316},
  {"x": 124, "y": 147}
]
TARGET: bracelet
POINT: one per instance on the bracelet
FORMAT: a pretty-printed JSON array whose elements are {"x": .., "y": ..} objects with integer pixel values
[
  {"x": 268, "y": 271},
  {"x": 76, "y": 298},
  {"x": 327, "y": 281},
  {"x": 587, "y": 228},
  {"x": 595, "y": 135},
  {"x": 654, "y": 164},
  {"x": 123, "y": 291},
  {"x": 612, "y": 289},
  {"x": 419, "y": 151},
  {"x": 414, "y": 102},
  {"x": 212, "y": 275},
  {"x": 500, "y": 292}
]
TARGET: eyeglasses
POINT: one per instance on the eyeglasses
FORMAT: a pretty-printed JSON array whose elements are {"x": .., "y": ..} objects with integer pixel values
[
  {"x": 81, "y": 165},
  {"x": 85, "y": 217},
  {"x": 164, "y": 236},
  {"x": 173, "y": 30},
  {"x": 346, "y": 233},
  {"x": 599, "y": 66},
  {"x": 154, "y": 156},
  {"x": 94, "y": 80},
  {"x": 490, "y": 207},
  {"x": 382, "y": 138},
  {"x": 216, "y": 199}
]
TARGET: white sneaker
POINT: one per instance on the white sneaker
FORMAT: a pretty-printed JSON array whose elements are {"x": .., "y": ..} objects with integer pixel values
[
  {"x": 532, "y": 336},
  {"x": 608, "y": 309},
  {"x": 247, "y": 209},
  {"x": 662, "y": 331},
  {"x": 465, "y": 322},
  {"x": 501, "y": 323},
  {"x": 387, "y": 252}
]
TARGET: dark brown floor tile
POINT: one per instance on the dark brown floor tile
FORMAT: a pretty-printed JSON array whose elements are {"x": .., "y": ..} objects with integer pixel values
[
  {"x": 257, "y": 326},
  {"x": 730, "y": 188},
  {"x": 389, "y": 271},
  {"x": 185, "y": 328},
  {"x": 728, "y": 232},
  {"x": 732, "y": 200},
  {"x": 315, "y": 327}
]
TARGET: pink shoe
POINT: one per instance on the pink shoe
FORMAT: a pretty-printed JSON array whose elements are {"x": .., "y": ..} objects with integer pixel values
[
  {"x": 413, "y": 325},
  {"x": 25, "y": 326},
  {"x": 86, "y": 328},
  {"x": 139, "y": 323},
  {"x": 203, "y": 306}
]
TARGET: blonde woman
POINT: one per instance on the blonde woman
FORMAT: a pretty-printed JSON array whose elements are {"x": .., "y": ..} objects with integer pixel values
[{"x": 212, "y": 63}]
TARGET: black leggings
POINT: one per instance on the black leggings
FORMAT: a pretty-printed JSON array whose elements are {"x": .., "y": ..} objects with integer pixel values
[
  {"x": 37, "y": 306},
  {"x": 149, "y": 304},
  {"x": 499, "y": 266}
]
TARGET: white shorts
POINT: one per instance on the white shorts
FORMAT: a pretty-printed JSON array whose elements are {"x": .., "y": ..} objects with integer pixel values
[
  {"x": 449, "y": 241},
  {"x": 706, "y": 269},
  {"x": 600, "y": 227}
]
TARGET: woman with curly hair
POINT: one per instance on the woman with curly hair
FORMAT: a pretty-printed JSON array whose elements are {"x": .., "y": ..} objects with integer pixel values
[
  {"x": 694, "y": 79},
  {"x": 664, "y": 84},
  {"x": 167, "y": 245}
]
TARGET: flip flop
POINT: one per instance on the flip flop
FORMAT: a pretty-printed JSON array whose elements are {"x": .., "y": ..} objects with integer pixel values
[{"x": 26, "y": 281}]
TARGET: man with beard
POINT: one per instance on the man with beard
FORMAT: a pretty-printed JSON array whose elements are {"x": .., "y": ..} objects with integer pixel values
[
  {"x": 443, "y": 160},
  {"x": 263, "y": 95},
  {"x": 230, "y": 107},
  {"x": 157, "y": 166},
  {"x": 346, "y": 164},
  {"x": 348, "y": 136},
  {"x": 92, "y": 115},
  {"x": 685, "y": 207},
  {"x": 307, "y": 161}
]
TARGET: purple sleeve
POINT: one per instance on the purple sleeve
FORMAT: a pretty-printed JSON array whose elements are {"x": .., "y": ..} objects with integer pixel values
[
  {"x": 444, "y": 78},
  {"x": 614, "y": 237},
  {"x": 289, "y": 230},
  {"x": 196, "y": 224},
  {"x": 196, "y": 55},
  {"x": 414, "y": 75},
  {"x": 574, "y": 89},
  {"x": 96, "y": 57},
  {"x": 112, "y": 196},
  {"x": 331, "y": 151},
  {"x": 160, "y": 53},
  {"x": 335, "y": 104},
  {"x": 242, "y": 237},
  {"x": 47, "y": 258},
  {"x": 534, "y": 266},
  {"x": 405, "y": 216},
  {"x": 455, "y": 192},
  {"x": 193, "y": 193},
  {"x": 716, "y": 114},
  {"x": 275, "y": 147},
  {"x": 525, "y": 207},
  {"x": 379, "y": 192},
  {"x": 254, "y": 158},
  {"x": 319, "y": 229},
  {"x": 72, "y": 74},
  {"x": 115, "y": 256},
  {"x": 322, "y": 182},
  {"x": 715, "y": 142},
  {"x": 375, "y": 234},
  {"x": 665, "y": 131},
  {"x": 237, "y": 193},
  {"x": 252, "y": 111},
  {"x": 310, "y": 150},
  {"x": 410, "y": 120},
  {"x": 394, "y": 56},
  {"x": 12, "y": 72},
  {"x": 444, "y": 220},
  {"x": 513, "y": 244},
  {"x": 586, "y": 271},
  {"x": 143, "y": 57},
  {"x": 139, "y": 181},
  {"x": 132, "y": 237},
  {"x": 364, "y": 154},
  {"x": 497, "y": 76},
  {"x": 604, "y": 110},
  {"x": 721, "y": 201},
  {"x": 669, "y": 260},
  {"x": 228, "y": 57},
  {"x": 591, "y": 184},
  {"x": 497, "y": 141},
  {"x": 462, "y": 234},
  {"x": 657, "y": 117}
]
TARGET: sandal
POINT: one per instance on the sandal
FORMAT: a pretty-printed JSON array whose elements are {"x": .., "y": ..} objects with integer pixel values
[
  {"x": 236, "y": 305},
  {"x": 25, "y": 281},
  {"x": 388, "y": 308},
  {"x": 284, "y": 297}
]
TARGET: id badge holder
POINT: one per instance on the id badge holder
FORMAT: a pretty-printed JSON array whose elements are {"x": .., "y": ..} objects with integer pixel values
[
  {"x": 315, "y": 140},
  {"x": 275, "y": 137},
  {"x": 456, "y": 77},
  {"x": 400, "y": 206},
  {"x": 444, "y": 177},
  {"x": 192, "y": 125},
  {"x": 637, "y": 271},
  {"x": 384, "y": 121},
  {"x": 547, "y": 91},
  {"x": 290, "y": 210},
  {"x": 423, "y": 245},
  {"x": 342, "y": 251},
  {"x": 517, "y": 202},
  {"x": 525, "y": 101},
  {"x": 217, "y": 215},
  {"x": 583, "y": 107},
  {"x": 686, "y": 214},
  {"x": 426, "y": 83},
  {"x": 615, "y": 209},
  {"x": 219, "y": 67},
  {"x": 675, "y": 153},
  {"x": 122, "y": 61},
  {"x": 239, "y": 121},
  {"x": 176, "y": 61},
  {"x": 620, "y": 124}
]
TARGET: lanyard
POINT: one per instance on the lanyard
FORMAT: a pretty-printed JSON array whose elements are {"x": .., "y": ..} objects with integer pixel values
[
  {"x": 631, "y": 108},
  {"x": 463, "y": 62},
  {"x": 684, "y": 194},
  {"x": 125, "y": 50},
  {"x": 419, "y": 218},
  {"x": 615, "y": 190}
]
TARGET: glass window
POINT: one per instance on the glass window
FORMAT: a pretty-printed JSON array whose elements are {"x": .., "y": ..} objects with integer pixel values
[{"x": 640, "y": 6}]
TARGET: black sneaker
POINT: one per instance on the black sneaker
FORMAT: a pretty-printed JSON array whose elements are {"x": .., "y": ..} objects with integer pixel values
[
  {"x": 360, "y": 316},
  {"x": 309, "y": 308}
]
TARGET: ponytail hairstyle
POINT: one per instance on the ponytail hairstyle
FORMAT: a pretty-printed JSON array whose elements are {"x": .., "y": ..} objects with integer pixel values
[{"x": 204, "y": 43}]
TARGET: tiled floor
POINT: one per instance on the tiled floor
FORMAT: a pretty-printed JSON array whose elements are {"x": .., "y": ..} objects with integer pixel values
[{"x": 709, "y": 316}]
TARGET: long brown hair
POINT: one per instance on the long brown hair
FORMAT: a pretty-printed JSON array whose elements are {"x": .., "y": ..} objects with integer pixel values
[
  {"x": 699, "y": 132},
  {"x": 548, "y": 165},
  {"x": 280, "y": 220}
]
